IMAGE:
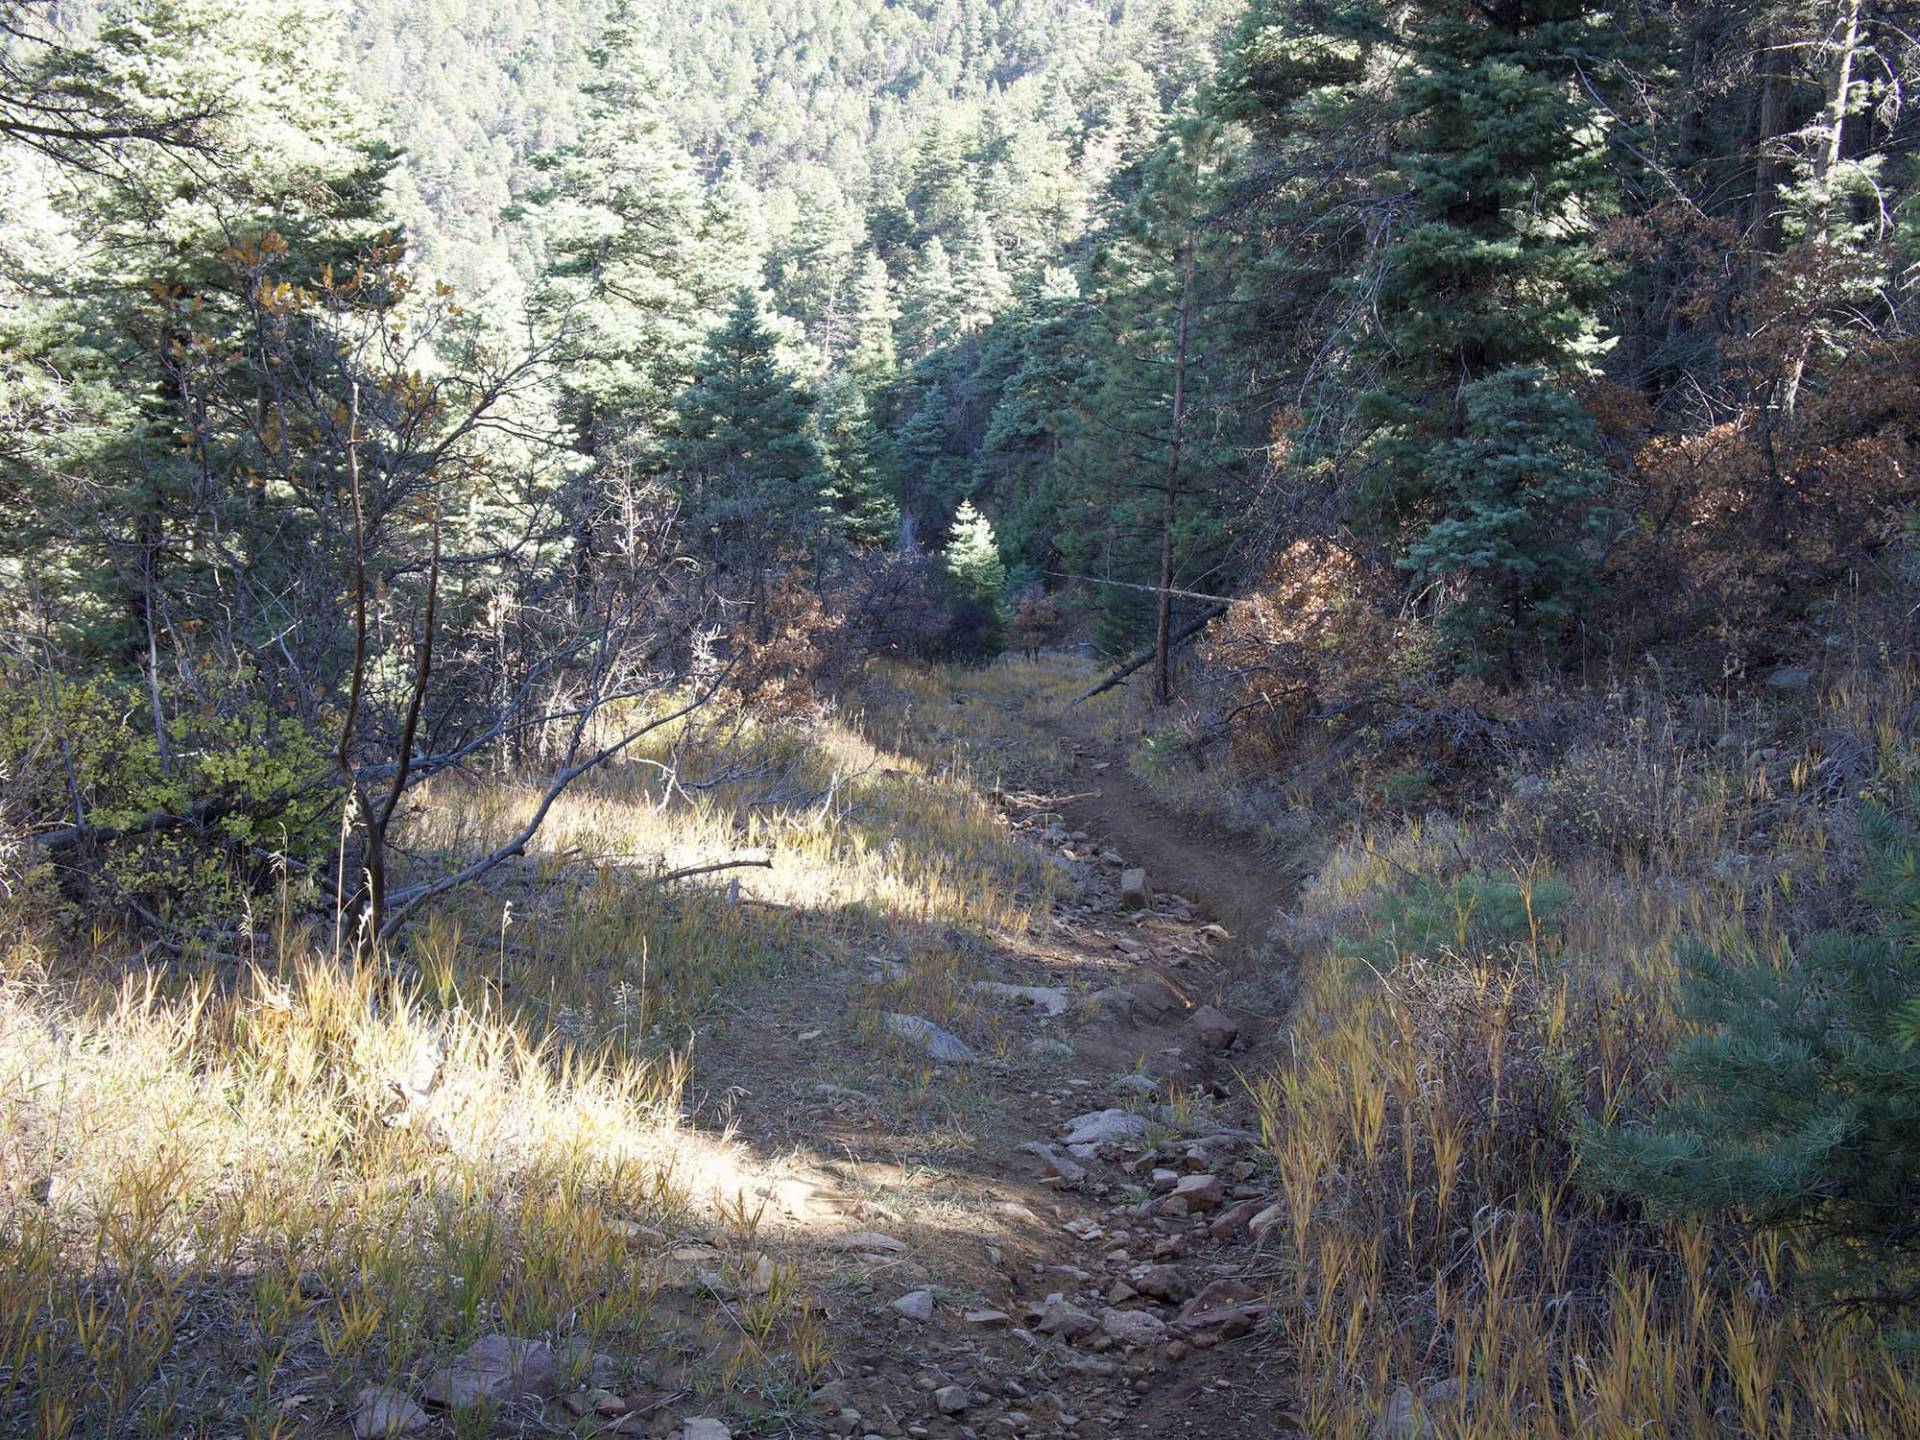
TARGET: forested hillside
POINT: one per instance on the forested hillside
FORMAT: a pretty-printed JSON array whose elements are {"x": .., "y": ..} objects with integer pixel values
[{"x": 793, "y": 591}]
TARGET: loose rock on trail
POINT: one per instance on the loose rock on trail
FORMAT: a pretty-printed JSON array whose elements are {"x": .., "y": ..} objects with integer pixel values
[{"x": 1070, "y": 1215}]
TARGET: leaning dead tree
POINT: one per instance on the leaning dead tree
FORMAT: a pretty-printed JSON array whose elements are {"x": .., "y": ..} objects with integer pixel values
[{"x": 1158, "y": 651}]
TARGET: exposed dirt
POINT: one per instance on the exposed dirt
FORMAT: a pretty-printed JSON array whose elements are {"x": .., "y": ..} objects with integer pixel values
[
  {"x": 937, "y": 1158},
  {"x": 1226, "y": 878}
]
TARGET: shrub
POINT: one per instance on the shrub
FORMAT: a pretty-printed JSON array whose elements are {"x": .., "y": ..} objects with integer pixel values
[
  {"x": 1470, "y": 915},
  {"x": 180, "y": 834},
  {"x": 1795, "y": 1101}
]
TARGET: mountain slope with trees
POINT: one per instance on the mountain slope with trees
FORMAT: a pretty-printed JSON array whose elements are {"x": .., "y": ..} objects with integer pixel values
[{"x": 1460, "y": 453}]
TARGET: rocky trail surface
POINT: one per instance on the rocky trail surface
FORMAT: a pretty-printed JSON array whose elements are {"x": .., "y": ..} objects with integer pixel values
[{"x": 1044, "y": 1218}]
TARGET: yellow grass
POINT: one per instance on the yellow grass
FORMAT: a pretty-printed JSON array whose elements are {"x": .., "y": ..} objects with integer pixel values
[
  {"x": 1437, "y": 1240},
  {"x": 224, "y": 1213}
]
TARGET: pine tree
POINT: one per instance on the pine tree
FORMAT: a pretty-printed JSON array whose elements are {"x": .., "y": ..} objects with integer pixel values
[
  {"x": 749, "y": 467},
  {"x": 1795, "y": 1102},
  {"x": 972, "y": 556},
  {"x": 981, "y": 291},
  {"x": 973, "y": 562},
  {"x": 1479, "y": 124},
  {"x": 852, "y": 470},
  {"x": 1498, "y": 267},
  {"x": 929, "y": 309},
  {"x": 818, "y": 265},
  {"x": 1525, "y": 452},
  {"x": 872, "y": 356},
  {"x": 622, "y": 214}
]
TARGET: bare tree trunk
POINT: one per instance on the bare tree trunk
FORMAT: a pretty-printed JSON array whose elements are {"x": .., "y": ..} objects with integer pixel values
[
  {"x": 1769, "y": 170},
  {"x": 1163, "y": 625},
  {"x": 1186, "y": 632}
]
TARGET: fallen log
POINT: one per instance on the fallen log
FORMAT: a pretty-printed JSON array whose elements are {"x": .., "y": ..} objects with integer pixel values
[{"x": 1185, "y": 633}]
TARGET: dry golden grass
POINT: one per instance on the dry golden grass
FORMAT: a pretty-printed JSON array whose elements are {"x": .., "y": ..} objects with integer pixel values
[
  {"x": 224, "y": 1211},
  {"x": 1439, "y": 1257}
]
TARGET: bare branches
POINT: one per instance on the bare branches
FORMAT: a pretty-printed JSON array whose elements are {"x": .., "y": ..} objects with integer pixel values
[{"x": 404, "y": 902}]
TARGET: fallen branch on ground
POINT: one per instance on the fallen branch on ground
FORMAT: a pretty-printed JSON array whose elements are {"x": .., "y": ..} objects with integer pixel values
[
  {"x": 760, "y": 862},
  {"x": 1185, "y": 633}
]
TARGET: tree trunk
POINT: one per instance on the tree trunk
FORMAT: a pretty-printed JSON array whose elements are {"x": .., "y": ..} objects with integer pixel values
[{"x": 1169, "y": 507}]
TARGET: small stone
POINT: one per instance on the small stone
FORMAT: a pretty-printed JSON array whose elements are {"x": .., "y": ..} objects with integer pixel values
[
  {"x": 1133, "y": 1327},
  {"x": 1261, "y": 1223},
  {"x": 1105, "y": 1127},
  {"x": 1066, "y": 1171},
  {"x": 380, "y": 1412},
  {"x": 1163, "y": 1181},
  {"x": 494, "y": 1368},
  {"x": 952, "y": 1399},
  {"x": 1163, "y": 1282},
  {"x": 986, "y": 1319},
  {"x": 1214, "y": 1028},
  {"x": 1232, "y": 1224},
  {"x": 761, "y": 1275},
  {"x": 915, "y": 1305},
  {"x": 1155, "y": 1001},
  {"x": 1787, "y": 677},
  {"x": 1201, "y": 1192},
  {"x": 942, "y": 1045},
  {"x": 1068, "y": 1322},
  {"x": 598, "y": 1402},
  {"x": 1136, "y": 891}
]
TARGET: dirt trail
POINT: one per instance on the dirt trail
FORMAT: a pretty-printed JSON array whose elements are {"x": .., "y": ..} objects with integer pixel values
[
  {"x": 1230, "y": 883},
  {"x": 1024, "y": 1285}
]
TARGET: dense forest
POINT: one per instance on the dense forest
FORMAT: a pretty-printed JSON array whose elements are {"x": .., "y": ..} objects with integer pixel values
[{"x": 1464, "y": 455}]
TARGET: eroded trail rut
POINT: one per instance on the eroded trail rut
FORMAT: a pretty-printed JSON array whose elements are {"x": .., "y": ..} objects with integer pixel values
[{"x": 1057, "y": 1238}]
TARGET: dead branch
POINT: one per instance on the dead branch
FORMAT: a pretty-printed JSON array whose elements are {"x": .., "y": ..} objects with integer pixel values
[{"x": 1186, "y": 633}]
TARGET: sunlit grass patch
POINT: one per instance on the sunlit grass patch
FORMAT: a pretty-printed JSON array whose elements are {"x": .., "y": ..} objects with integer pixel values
[
  {"x": 227, "y": 1203},
  {"x": 235, "y": 1197}
]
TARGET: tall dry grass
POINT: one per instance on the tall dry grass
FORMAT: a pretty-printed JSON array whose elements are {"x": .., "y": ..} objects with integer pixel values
[
  {"x": 235, "y": 1194},
  {"x": 1442, "y": 1269}
]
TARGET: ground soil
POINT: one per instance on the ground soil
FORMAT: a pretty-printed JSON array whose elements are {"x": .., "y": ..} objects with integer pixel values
[{"x": 942, "y": 1165}]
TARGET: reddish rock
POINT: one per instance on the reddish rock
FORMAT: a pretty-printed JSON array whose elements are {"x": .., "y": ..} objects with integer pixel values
[
  {"x": 1163, "y": 1282},
  {"x": 1232, "y": 1224},
  {"x": 1218, "y": 1294},
  {"x": 1214, "y": 1028},
  {"x": 1201, "y": 1192}
]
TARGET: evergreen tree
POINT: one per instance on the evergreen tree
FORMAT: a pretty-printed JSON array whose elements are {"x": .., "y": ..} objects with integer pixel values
[
  {"x": 851, "y": 466},
  {"x": 981, "y": 291},
  {"x": 622, "y": 211},
  {"x": 1525, "y": 454},
  {"x": 818, "y": 265},
  {"x": 1482, "y": 118},
  {"x": 972, "y": 556},
  {"x": 929, "y": 451},
  {"x": 929, "y": 309},
  {"x": 972, "y": 559},
  {"x": 1498, "y": 267},
  {"x": 1032, "y": 416},
  {"x": 872, "y": 357},
  {"x": 744, "y": 450},
  {"x": 1795, "y": 1102}
]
